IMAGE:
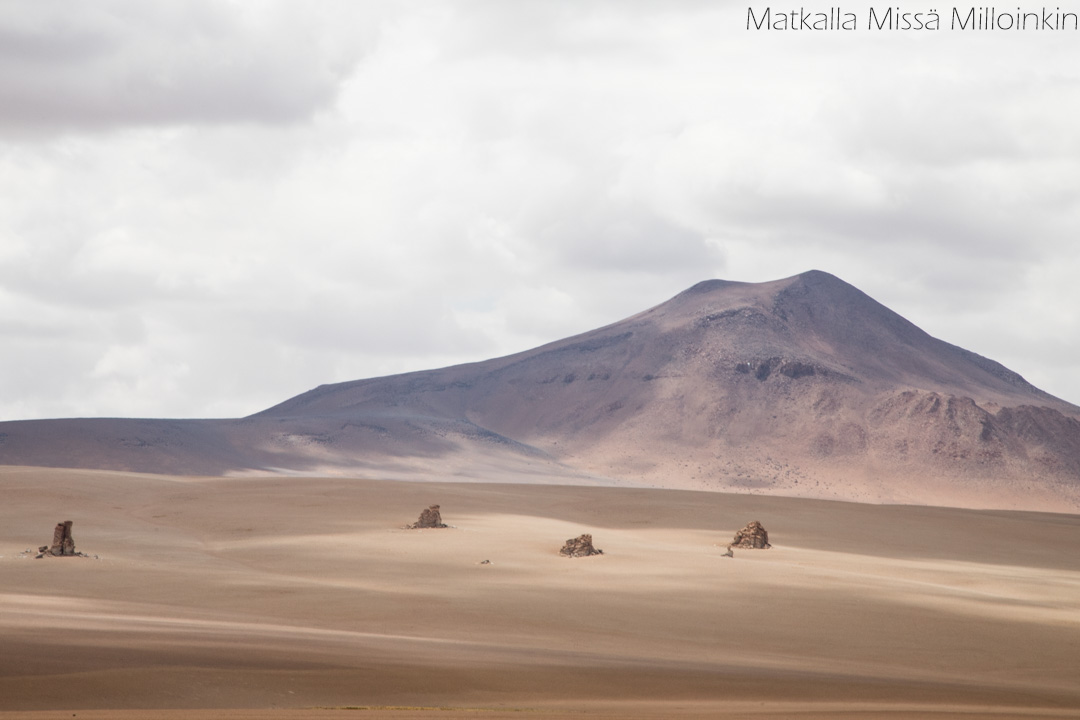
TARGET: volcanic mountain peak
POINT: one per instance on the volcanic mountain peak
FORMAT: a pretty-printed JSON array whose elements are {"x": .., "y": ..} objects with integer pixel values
[
  {"x": 818, "y": 318},
  {"x": 799, "y": 310},
  {"x": 812, "y": 323}
]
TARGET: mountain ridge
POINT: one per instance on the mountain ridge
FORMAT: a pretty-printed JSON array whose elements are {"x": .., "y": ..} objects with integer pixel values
[{"x": 801, "y": 386}]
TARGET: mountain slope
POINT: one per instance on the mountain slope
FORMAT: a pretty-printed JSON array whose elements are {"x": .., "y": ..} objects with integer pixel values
[{"x": 802, "y": 386}]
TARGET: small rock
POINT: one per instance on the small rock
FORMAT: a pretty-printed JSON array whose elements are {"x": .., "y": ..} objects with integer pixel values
[
  {"x": 752, "y": 537},
  {"x": 430, "y": 518},
  {"x": 580, "y": 547}
]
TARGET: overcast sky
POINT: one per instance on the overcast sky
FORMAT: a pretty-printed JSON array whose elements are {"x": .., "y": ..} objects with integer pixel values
[{"x": 208, "y": 207}]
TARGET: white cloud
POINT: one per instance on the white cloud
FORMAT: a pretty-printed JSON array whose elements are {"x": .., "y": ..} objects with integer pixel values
[
  {"x": 71, "y": 67},
  {"x": 212, "y": 206}
]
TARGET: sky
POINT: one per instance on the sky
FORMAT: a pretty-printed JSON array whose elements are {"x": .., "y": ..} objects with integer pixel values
[{"x": 209, "y": 206}]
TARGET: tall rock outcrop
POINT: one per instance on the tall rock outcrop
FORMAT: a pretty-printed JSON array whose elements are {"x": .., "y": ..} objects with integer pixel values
[{"x": 63, "y": 544}]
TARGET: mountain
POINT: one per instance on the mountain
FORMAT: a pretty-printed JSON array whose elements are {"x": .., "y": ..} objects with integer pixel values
[{"x": 803, "y": 386}]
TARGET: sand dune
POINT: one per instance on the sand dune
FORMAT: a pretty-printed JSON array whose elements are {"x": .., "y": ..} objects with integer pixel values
[{"x": 302, "y": 593}]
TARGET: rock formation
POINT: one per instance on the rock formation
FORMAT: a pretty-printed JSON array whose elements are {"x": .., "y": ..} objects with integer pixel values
[
  {"x": 430, "y": 518},
  {"x": 63, "y": 544},
  {"x": 753, "y": 536},
  {"x": 580, "y": 547}
]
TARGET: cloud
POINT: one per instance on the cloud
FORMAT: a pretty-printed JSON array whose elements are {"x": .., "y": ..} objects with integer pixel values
[
  {"x": 67, "y": 67},
  {"x": 212, "y": 206}
]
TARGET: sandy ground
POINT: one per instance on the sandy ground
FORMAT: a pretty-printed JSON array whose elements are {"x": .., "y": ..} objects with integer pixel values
[{"x": 306, "y": 598}]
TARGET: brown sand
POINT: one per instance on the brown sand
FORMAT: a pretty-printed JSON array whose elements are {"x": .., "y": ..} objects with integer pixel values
[{"x": 275, "y": 597}]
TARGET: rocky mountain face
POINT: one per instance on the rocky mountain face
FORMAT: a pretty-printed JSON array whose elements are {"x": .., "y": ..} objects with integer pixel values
[{"x": 803, "y": 386}]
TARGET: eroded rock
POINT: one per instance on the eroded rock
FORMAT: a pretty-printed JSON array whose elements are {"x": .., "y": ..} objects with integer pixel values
[
  {"x": 580, "y": 547},
  {"x": 429, "y": 518},
  {"x": 752, "y": 537},
  {"x": 63, "y": 545}
]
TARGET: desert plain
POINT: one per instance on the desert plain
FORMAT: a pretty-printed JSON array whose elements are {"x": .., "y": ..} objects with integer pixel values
[{"x": 307, "y": 597}]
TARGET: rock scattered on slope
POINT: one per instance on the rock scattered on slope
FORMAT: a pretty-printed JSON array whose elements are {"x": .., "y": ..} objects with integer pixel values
[
  {"x": 63, "y": 545},
  {"x": 580, "y": 547},
  {"x": 430, "y": 518},
  {"x": 753, "y": 536}
]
